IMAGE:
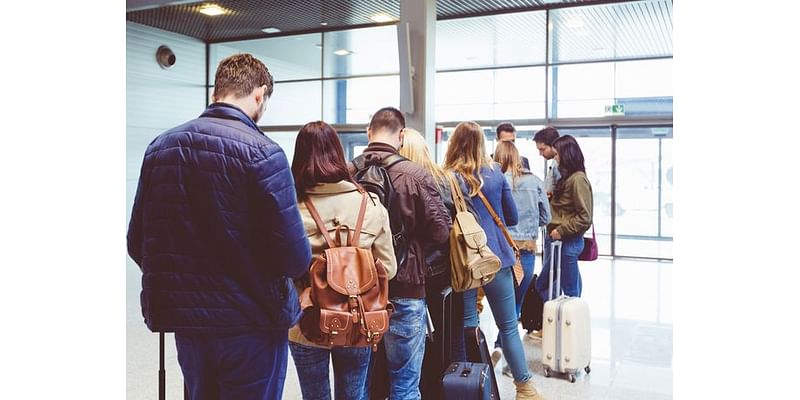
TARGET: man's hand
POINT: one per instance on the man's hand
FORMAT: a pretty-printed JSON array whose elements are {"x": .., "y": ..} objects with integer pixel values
[{"x": 555, "y": 235}]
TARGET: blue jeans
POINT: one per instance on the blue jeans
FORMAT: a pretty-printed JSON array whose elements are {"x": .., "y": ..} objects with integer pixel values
[
  {"x": 405, "y": 347},
  {"x": 349, "y": 371},
  {"x": 246, "y": 366},
  {"x": 500, "y": 293},
  {"x": 528, "y": 259},
  {"x": 571, "y": 283}
]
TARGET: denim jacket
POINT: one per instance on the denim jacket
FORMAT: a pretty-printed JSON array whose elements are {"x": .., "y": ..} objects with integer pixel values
[{"x": 532, "y": 206}]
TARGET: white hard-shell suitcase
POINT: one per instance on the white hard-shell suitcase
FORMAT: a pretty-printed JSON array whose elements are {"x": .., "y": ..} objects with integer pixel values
[{"x": 566, "y": 332}]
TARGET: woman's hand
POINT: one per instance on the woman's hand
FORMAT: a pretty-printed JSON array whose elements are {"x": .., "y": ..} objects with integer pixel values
[{"x": 555, "y": 235}]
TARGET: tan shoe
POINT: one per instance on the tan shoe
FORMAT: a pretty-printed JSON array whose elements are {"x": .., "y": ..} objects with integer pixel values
[{"x": 526, "y": 391}]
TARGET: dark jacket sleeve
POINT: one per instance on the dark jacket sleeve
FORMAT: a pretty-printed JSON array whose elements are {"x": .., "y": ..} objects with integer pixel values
[
  {"x": 509, "y": 206},
  {"x": 135, "y": 226},
  {"x": 430, "y": 207},
  {"x": 274, "y": 189},
  {"x": 423, "y": 209}
]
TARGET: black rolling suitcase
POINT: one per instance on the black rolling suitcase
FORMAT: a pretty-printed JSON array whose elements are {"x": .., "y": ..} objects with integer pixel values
[
  {"x": 478, "y": 352},
  {"x": 438, "y": 347},
  {"x": 532, "y": 309},
  {"x": 469, "y": 381},
  {"x": 162, "y": 374}
]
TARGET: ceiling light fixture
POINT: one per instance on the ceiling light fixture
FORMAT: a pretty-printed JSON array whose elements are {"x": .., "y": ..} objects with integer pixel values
[
  {"x": 270, "y": 29},
  {"x": 380, "y": 18},
  {"x": 323, "y": 23},
  {"x": 212, "y": 10},
  {"x": 342, "y": 52}
]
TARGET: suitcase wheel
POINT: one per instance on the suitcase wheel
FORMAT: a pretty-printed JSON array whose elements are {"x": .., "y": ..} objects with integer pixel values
[
  {"x": 546, "y": 372},
  {"x": 587, "y": 369},
  {"x": 572, "y": 378}
]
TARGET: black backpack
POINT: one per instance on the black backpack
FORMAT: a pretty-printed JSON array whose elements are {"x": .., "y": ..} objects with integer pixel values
[{"x": 371, "y": 173}]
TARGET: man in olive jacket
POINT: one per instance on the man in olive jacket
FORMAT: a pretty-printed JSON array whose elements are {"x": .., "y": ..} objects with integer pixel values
[
  {"x": 216, "y": 231},
  {"x": 425, "y": 219}
]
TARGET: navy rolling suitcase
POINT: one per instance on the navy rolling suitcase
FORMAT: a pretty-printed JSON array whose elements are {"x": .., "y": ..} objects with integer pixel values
[
  {"x": 468, "y": 381},
  {"x": 478, "y": 352}
]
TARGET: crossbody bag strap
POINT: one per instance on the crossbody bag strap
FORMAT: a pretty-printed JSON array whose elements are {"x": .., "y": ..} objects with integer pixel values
[
  {"x": 359, "y": 220},
  {"x": 317, "y": 220},
  {"x": 499, "y": 222}
]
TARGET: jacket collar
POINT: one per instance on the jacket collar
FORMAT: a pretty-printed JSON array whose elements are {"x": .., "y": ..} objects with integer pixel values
[
  {"x": 230, "y": 111},
  {"x": 380, "y": 146},
  {"x": 332, "y": 188}
]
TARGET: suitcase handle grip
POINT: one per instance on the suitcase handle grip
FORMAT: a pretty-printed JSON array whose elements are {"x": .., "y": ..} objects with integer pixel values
[{"x": 553, "y": 245}]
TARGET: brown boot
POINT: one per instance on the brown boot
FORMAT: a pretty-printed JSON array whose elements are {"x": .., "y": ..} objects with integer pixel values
[{"x": 526, "y": 391}]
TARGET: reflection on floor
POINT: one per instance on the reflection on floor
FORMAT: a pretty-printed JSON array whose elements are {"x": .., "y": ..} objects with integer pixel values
[{"x": 631, "y": 306}]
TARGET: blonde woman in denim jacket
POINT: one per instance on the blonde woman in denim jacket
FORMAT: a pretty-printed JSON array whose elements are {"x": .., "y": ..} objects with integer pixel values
[{"x": 532, "y": 206}]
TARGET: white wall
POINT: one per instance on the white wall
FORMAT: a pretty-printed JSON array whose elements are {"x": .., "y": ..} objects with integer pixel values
[{"x": 156, "y": 100}]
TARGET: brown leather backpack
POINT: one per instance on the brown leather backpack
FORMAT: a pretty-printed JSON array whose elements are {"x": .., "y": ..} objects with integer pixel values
[{"x": 347, "y": 303}]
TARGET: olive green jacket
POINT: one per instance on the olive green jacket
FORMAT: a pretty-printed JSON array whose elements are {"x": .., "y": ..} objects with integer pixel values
[{"x": 572, "y": 209}]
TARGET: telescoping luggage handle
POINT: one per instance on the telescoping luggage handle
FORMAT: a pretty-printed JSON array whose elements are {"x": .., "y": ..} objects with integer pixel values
[{"x": 553, "y": 245}]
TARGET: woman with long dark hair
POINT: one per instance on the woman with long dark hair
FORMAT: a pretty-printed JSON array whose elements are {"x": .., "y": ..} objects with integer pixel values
[
  {"x": 466, "y": 156},
  {"x": 571, "y": 207},
  {"x": 321, "y": 177}
]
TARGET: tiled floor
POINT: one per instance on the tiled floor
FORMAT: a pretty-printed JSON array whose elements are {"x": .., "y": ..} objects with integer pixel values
[{"x": 631, "y": 306}]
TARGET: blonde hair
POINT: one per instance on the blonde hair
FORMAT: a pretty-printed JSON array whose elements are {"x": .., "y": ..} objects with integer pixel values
[
  {"x": 507, "y": 155},
  {"x": 466, "y": 154},
  {"x": 415, "y": 149}
]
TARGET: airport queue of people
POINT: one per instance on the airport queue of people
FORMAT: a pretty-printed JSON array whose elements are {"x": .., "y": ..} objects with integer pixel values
[{"x": 230, "y": 239}]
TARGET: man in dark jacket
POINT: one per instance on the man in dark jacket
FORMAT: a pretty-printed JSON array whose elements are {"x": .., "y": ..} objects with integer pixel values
[
  {"x": 425, "y": 219},
  {"x": 216, "y": 231},
  {"x": 506, "y": 132}
]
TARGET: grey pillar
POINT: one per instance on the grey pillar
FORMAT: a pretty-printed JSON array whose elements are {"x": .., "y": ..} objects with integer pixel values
[{"x": 421, "y": 18}]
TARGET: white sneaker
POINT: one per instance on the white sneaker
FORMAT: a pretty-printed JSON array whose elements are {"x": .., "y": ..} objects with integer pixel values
[{"x": 497, "y": 354}]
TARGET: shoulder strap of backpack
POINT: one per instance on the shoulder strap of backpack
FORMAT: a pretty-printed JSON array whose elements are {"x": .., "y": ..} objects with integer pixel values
[
  {"x": 455, "y": 189},
  {"x": 317, "y": 220},
  {"x": 360, "y": 220},
  {"x": 392, "y": 159}
]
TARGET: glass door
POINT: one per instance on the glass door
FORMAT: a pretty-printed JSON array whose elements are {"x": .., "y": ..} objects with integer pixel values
[{"x": 644, "y": 192}]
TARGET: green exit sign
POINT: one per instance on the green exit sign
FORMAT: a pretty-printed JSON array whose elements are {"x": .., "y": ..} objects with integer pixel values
[{"x": 616, "y": 109}]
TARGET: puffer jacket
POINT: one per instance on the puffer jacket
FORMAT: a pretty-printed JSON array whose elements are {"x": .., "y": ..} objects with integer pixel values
[
  {"x": 216, "y": 230},
  {"x": 425, "y": 219}
]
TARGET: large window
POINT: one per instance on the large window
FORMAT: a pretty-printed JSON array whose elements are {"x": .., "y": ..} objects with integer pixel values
[
  {"x": 288, "y": 58},
  {"x": 644, "y": 192}
]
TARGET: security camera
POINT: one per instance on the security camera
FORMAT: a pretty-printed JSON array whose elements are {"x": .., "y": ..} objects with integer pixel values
[{"x": 165, "y": 57}]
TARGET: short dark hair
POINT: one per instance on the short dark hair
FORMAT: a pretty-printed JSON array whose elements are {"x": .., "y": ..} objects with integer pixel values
[
  {"x": 318, "y": 158},
  {"x": 388, "y": 118},
  {"x": 547, "y": 136},
  {"x": 505, "y": 127},
  {"x": 239, "y": 74}
]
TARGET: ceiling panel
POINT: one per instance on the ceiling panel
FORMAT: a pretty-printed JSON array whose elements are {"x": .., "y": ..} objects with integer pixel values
[
  {"x": 244, "y": 19},
  {"x": 613, "y": 31}
]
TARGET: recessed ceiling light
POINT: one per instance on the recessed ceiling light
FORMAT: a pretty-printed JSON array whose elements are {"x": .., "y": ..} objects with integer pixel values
[
  {"x": 342, "y": 52},
  {"x": 323, "y": 23},
  {"x": 381, "y": 18},
  {"x": 270, "y": 30},
  {"x": 212, "y": 10}
]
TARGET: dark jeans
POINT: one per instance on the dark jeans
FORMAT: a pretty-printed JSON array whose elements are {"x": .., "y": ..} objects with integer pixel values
[
  {"x": 349, "y": 371},
  {"x": 571, "y": 283},
  {"x": 246, "y": 366}
]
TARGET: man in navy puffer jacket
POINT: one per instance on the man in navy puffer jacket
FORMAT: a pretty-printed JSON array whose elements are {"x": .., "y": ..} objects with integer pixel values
[{"x": 217, "y": 234}]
